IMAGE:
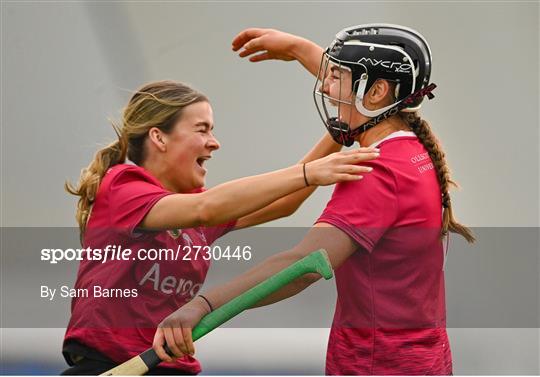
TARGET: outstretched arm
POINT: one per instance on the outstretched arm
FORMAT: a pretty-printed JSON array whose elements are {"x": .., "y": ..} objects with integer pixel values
[
  {"x": 240, "y": 197},
  {"x": 270, "y": 44},
  {"x": 175, "y": 330},
  {"x": 288, "y": 204}
]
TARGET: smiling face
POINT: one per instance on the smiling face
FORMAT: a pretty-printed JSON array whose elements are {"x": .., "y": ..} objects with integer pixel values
[
  {"x": 338, "y": 85},
  {"x": 189, "y": 145},
  {"x": 338, "y": 96}
]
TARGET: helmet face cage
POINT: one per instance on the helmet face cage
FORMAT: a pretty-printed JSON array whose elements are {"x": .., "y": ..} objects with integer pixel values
[
  {"x": 335, "y": 112},
  {"x": 371, "y": 52}
]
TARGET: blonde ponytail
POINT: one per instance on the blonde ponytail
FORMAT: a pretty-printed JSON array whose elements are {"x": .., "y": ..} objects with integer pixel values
[{"x": 88, "y": 185}]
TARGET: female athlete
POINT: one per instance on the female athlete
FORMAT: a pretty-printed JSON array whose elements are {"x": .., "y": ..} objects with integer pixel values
[{"x": 156, "y": 201}]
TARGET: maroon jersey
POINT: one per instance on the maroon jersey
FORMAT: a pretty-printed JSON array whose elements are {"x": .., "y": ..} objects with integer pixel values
[
  {"x": 122, "y": 327},
  {"x": 390, "y": 312}
]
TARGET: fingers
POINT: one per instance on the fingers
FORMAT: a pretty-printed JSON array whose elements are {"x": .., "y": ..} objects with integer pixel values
[
  {"x": 368, "y": 149},
  {"x": 361, "y": 150},
  {"x": 346, "y": 171},
  {"x": 168, "y": 332},
  {"x": 271, "y": 43},
  {"x": 260, "y": 57},
  {"x": 249, "y": 51},
  {"x": 348, "y": 177},
  {"x": 354, "y": 172},
  {"x": 256, "y": 44},
  {"x": 188, "y": 341},
  {"x": 244, "y": 36},
  {"x": 179, "y": 339},
  {"x": 364, "y": 154},
  {"x": 253, "y": 46},
  {"x": 356, "y": 169},
  {"x": 245, "y": 53},
  {"x": 157, "y": 345}
]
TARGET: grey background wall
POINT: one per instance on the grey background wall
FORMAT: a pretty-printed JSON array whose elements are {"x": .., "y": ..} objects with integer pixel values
[{"x": 68, "y": 66}]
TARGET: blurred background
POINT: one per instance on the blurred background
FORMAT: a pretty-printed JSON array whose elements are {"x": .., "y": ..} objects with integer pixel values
[{"x": 68, "y": 66}]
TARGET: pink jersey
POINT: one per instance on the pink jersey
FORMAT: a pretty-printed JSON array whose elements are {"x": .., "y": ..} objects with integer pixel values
[
  {"x": 390, "y": 312},
  {"x": 122, "y": 327}
]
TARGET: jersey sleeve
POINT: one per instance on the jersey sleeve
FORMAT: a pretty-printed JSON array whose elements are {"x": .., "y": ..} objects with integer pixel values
[
  {"x": 132, "y": 194},
  {"x": 364, "y": 209}
]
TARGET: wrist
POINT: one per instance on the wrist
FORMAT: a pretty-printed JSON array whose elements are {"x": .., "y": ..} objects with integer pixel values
[
  {"x": 208, "y": 303},
  {"x": 200, "y": 305},
  {"x": 305, "y": 174},
  {"x": 308, "y": 54},
  {"x": 299, "y": 48}
]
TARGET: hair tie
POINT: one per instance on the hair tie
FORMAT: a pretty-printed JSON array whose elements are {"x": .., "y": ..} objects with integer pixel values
[
  {"x": 446, "y": 200},
  {"x": 304, "y": 170},
  {"x": 208, "y": 302}
]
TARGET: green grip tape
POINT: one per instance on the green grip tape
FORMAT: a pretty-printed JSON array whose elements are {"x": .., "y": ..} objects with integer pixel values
[{"x": 316, "y": 261}]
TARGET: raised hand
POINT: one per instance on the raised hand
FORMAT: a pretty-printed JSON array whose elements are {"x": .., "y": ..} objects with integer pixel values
[
  {"x": 268, "y": 43},
  {"x": 340, "y": 167}
]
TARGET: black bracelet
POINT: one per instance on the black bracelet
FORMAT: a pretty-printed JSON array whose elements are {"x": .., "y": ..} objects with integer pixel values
[
  {"x": 304, "y": 170},
  {"x": 208, "y": 302}
]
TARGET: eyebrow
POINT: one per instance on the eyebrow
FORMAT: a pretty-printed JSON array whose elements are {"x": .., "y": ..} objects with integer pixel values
[
  {"x": 205, "y": 125},
  {"x": 336, "y": 68}
]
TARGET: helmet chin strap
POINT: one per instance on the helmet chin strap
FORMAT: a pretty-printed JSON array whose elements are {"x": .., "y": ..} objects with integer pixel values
[
  {"x": 342, "y": 134},
  {"x": 340, "y": 131}
]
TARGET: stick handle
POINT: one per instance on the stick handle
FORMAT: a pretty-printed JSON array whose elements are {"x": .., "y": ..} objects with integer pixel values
[
  {"x": 252, "y": 296},
  {"x": 316, "y": 261}
]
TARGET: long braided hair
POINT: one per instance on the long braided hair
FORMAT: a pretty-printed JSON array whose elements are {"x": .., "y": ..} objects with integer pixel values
[{"x": 423, "y": 131}]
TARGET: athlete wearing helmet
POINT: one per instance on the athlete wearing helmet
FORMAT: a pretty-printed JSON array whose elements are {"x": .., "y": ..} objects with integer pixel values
[
  {"x": 383, "y": 236},
  {"x": 358, "y": 57}
]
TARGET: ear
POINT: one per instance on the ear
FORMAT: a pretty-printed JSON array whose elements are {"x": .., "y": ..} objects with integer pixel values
[
  {"x": 158, "y": 138},
  {"x": 378, "y": 92}
]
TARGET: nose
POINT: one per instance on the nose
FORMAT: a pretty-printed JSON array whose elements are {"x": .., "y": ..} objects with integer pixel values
[
  {"x": 213, "y": 143},
  {"x": 324, "y": 87}
]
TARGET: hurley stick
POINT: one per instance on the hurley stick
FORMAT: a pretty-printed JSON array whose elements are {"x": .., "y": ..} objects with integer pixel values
[{"x": 317, "y": 262}]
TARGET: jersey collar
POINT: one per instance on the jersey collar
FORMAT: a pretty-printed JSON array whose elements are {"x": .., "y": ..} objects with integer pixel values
[{"x": 393, "y": 135}]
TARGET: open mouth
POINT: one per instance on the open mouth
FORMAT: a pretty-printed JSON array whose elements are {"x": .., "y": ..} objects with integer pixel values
[{"x": 202, "y": 160}]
